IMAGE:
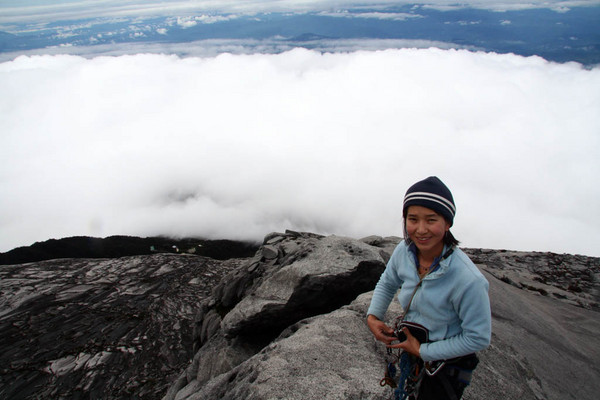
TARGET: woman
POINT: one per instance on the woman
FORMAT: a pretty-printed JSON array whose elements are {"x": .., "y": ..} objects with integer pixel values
[{"x": 441, "y": 290}]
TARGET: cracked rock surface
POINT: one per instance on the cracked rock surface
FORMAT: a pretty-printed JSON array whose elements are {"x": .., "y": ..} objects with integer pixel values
[
  {"x": 572, "y": 279},
  {"x": 103, "y": 328}
]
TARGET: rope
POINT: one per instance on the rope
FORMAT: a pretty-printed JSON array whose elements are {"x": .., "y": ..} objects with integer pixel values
[
  {"x": 409, "y": 381},
  {"x": 405, "y": 366}
]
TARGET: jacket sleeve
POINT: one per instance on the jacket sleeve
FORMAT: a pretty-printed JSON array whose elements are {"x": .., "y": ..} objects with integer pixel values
[
  {"x": 386, "y": 287},
  {"x": 473, "y": 307}
]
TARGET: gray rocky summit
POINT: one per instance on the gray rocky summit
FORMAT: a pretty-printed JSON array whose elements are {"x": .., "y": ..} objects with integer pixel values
[
  {"x": 287, "y": 323},
  {"x": 538, "y": 305}
]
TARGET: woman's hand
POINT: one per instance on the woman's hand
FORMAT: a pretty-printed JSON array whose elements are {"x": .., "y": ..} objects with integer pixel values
[
  {"x": 380, "y": 330},
  {"x": 410, "y": 345}
]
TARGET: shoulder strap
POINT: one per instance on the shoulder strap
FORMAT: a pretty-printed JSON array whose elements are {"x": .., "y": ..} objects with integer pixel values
[{"x": 412, "y": 297}]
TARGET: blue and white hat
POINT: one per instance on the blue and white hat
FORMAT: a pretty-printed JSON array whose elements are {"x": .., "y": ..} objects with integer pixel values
[{"x": 433, "y": 194}]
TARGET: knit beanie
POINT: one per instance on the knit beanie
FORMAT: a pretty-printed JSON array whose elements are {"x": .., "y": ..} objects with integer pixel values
[{"x": 433, "y": 194}]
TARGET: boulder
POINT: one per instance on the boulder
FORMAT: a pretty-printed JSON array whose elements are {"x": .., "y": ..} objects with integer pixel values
[
  {"x": 292, "y": 277},
  {"x": 331, "y": 356},
  {"x": 312, "y": 277}
]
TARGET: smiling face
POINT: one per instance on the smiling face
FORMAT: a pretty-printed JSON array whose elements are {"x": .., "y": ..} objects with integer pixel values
[{"x": 426, "y": 229}]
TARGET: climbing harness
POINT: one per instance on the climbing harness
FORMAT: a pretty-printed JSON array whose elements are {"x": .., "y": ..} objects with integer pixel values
[
  {"x": 405, "y": 379},
  {"x": 405, "y": 374},
  {"x": 412, "y": 376}
]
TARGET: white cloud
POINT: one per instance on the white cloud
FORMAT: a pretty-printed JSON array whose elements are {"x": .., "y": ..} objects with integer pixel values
[
  {"x": 211, "y": 19},
  {"x": 214, "y": 47},
  {"x": 64, "y": 35},
  {"x": 237, "y": 146},
  {"x": 191, "y": 21},
  {"x": 561, "y": 10},
  {"x": 463, "y": 23},
  {"x": 372, "y": 15},
  {"x": 560, "y": 6},
  {"x": 186, "y": 22}
]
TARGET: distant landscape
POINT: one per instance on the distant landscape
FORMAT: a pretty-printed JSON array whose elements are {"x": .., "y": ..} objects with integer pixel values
[{"x": 568, "y": 35}]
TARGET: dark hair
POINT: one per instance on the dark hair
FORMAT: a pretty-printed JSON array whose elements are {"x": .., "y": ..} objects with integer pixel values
[{"x": 450, "y": 240}]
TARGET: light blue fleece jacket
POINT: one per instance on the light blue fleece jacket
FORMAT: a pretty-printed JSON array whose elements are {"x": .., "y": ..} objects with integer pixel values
[{"x": 452, "y": 302}]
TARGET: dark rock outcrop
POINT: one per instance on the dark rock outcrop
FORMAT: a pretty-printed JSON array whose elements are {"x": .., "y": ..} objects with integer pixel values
[
  {"x": 573, "y": 279},
  {"x": 100, "y": 329},
  {"x": 122, "y": 246}
]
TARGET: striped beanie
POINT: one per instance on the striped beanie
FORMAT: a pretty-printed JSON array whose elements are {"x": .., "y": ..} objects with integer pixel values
[{"x": 433, "y": 194}]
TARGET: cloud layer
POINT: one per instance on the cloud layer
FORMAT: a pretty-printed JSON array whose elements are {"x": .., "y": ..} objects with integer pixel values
[{"x": 237, "y": 146}]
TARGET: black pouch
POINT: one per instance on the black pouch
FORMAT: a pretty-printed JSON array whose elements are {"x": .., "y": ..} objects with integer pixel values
[{"x": 418, "y": 331}]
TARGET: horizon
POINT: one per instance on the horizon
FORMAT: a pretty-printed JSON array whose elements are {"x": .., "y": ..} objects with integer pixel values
[
  {"x": 234, "y": 138},
  {"x": 258, "y": 242}
]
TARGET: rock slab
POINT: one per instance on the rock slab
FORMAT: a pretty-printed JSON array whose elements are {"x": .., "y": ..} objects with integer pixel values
[{"x": 102, "y": 328}]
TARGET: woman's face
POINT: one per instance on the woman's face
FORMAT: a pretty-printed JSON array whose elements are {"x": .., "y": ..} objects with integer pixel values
[{"x": 426, "y": 229}]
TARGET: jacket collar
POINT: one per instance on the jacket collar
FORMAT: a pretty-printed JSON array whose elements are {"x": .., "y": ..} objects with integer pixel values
[{"x": 440, "y": 263}]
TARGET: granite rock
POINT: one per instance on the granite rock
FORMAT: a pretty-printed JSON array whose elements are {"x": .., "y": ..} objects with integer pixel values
[
  {"x": 293, "y": 276},
  {"x": 183, "y": 326},
  {"x": 534, "y": 356}
]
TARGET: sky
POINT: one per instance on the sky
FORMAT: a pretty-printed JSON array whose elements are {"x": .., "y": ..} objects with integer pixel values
[
  {"x": 52, "y": 10},
  {"x": 240, "y": 145}
]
